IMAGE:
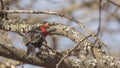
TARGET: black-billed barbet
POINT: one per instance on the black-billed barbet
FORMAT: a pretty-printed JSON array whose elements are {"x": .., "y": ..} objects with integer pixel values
[{"x": 36, "y": 37}]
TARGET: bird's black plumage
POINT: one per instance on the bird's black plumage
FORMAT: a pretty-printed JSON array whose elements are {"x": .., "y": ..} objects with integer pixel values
[{"x": 35, "y": 38}]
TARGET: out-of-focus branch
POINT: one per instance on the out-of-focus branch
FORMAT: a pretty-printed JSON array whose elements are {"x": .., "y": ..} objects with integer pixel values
[
  {"x": 54, "y": 43},
  {"x": 99, "y": 27},
  {"x": 113, "y": 3},
  {"x": 2, "y": 14},
  {"x": 1, "y": 8},
  {"x": 2, "y": 5}
]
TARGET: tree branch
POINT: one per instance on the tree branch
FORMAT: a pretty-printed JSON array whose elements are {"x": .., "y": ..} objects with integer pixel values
[
  {"x": 69, "y": 52},
  {"x": 112, "y": 2},
  {"x": 58, "y": 14},
  {"x": 67, "y": 31},
  {"x": 44, "y": 59},
  {"x": 50, "y": 60},
  {"x": 20, "y": 55}
]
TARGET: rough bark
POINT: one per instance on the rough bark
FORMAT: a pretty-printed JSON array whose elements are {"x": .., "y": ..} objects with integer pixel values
[{"x": 50, "y": 60}]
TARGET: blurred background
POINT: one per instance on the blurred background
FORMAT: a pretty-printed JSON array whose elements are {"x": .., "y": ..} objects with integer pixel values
[{"x": 86, "y": 11}]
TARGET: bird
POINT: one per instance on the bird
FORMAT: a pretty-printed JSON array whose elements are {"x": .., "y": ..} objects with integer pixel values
[{"x": 35, "y": 38}]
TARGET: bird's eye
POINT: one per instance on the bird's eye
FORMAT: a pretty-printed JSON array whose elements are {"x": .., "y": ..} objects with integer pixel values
[{"x": 36, "y": 35}]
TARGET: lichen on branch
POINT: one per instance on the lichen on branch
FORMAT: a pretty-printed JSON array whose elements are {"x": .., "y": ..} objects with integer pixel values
[{"x": 67, "y": 31}]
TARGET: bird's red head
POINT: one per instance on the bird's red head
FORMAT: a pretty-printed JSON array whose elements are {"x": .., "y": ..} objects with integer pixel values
[{"x": 43, "y": 29}]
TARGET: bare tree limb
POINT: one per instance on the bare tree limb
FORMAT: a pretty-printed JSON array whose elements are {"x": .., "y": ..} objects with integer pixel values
[
  {"x": 58, "y": 14},
  {"x": 20, "y": 55},
  {"x": 43, "y": 58},
  {"x": 99, "y": 27},
  {"x": 2, "y": 5},
  {"x": 2, "y": 8},
  {"x": 46, "y": 59},
  {"x": 21, "y": 26},
  {"x": 70, "y": 32},
  {"x": 113, "y": 3}
]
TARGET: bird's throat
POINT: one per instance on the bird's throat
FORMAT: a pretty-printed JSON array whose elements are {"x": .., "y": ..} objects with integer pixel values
[{"x": 43, "y": 30}]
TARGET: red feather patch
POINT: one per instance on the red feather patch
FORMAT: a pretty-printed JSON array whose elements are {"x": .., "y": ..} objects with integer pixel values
[{"x": 43, "y": 29}]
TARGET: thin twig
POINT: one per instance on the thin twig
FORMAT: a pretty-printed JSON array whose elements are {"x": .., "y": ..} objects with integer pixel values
[
  {"x": 22, "y": 64},
  {"x": 54, "y": 51},
  {"x": 69, "y": 52},
  {"x": 113, "y": 13},
  {"x": 1, "y": 8},
  {"x": 113, "y": 3},
  {"x": 99, "y": 27},
  {"x": 2, "y": 4}
]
